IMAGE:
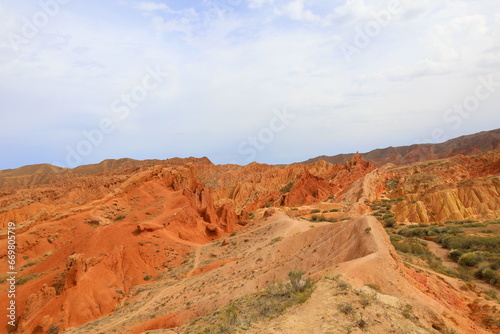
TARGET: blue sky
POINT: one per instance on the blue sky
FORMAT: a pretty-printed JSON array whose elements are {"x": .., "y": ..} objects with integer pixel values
[{"x": 273, "y": 81}]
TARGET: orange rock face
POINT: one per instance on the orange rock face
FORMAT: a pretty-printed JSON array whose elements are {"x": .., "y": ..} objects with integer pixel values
[
  {"x": 89, "y": 254},
  {"x": 87, "y": 236}
]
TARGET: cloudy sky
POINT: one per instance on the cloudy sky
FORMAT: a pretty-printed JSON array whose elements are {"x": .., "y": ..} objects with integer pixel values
[{"x": 273, "y": 81}]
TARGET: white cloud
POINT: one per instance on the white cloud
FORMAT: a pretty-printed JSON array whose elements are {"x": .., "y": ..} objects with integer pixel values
[
  {"x": 296, "y": 11},
  {"x": 254, "y": 4},
  {"x": 151, "y": 6},
  {"x": 423, "y": 68},
  {"x": 229, "y": 73}
]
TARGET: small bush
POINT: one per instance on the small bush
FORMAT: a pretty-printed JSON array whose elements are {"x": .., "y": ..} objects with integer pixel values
[
  {"x": 408, "y": 311},
  {"x": 469, "y": 259},
  {"x": 364, "y": 301},
  {"x": 390, "y": 222},
  {"x": 374, "y": 286},
  {"x": 346, "y": 308},
  {"x": 459, "y": 222},
  {"x": 487, "y": 231},
  {"x": 392, "y": 184},
  {"x": 472, "y": 243},
  {"x": 275, "y": 240},
  {"x": 388, "y": 215},
  {"x": 298, "y": 284},
  {"x": 120, "y": 217},
  {"x": 315, "y": 211},
  {"x": 28, "y": 278},
  {"x": 287, "y": 188},
  {"x": 455, "y": 255},
  {"x": 343, "y": 285},
  {"x": 53, "y": 329},
  {"x": 487, "y": 274},
  {"x": 316, "y": 218},
  {"x": 412, "y": 246},
  {"x": 229, "y": 316}
]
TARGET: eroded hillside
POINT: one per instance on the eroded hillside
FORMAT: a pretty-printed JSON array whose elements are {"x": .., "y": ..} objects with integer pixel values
[{"x": 127, "y": 246}]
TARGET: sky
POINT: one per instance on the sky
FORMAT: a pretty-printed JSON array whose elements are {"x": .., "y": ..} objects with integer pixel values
[{"x": 237, "y": 81}]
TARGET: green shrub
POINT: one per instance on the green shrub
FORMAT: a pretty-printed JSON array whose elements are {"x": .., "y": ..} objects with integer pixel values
[
  {"x": 469, "y": 259},
  {"x": 485, "y": 273},
  {"x": 390, "y": 222},
  {"x": 455, "y": 255},
  {"x": 316, "y": 218},
  {"x": 287, "y": 188},
  {"x": 320, "y": 218},
  {"x": 388, "y": 215},
  {"x": 374, "y": 286},
  {"x": 471, "y": 243},
  {"x": 25, "y": 279},
  {"x": 346, "y": 308},
  {"x": 53, "y": 329},
  {"x": 463, "y": 221},
  {"x": 408, "y": 311},
  {"x": 297, "y": 283},
  {"x": 411, "y": 247},
  {"x": 229, "y": 316},
  {"x": 392, "y": 184},
  {"x": 275, "y": 240}
]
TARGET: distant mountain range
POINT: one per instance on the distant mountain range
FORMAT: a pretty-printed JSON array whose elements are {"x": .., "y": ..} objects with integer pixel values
[{"x": 465, "y": 145}]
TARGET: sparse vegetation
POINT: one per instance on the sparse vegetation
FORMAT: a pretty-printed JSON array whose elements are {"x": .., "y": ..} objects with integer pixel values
[
  {"x": 460, "y": 222},
  {"x": 321, "y": 218},
  {"x": 478, "y": 256},
  {"x": 346, "y": 308},
  {"x": 120, "y": 217},
  {"x": 263, "y": 305},
  {"x": 408, "y": 311},
  {"x": 287, "y": 188},
  {"x": 390, "y": 222},
  {"x": 275, "y": 240},
  {"x": 374, "y": 286},
  {"x": 391, "y": 184},
  {"x": 28, "y": 278},
  {"x": 53, "y": 329},
  {"x": 469, "y": 259}
]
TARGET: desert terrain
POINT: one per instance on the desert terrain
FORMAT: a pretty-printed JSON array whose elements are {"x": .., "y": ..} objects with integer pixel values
[{"x": 401, "y": 241}]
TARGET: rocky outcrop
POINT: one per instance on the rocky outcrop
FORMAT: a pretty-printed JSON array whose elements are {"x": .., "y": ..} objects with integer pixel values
[
  {"x": 402, "y": 155},
  {"x": 307, "y": 189}
]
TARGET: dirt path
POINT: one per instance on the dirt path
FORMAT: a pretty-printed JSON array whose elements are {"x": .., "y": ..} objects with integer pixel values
[
  {"x": 442, "y": 253},
  {"x": 299, "y": 225},
  {"x": 196, "y": 262}
]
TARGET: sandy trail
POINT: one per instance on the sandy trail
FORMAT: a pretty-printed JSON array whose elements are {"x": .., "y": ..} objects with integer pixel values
[
  {"x": 442, "y": 253},
  {"x": 196, "y": 262}
]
